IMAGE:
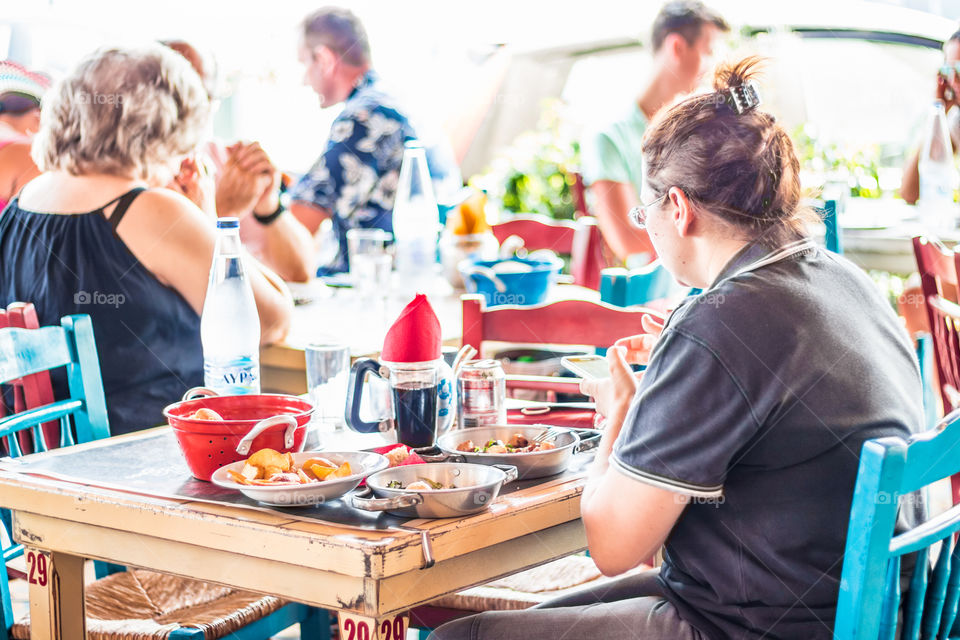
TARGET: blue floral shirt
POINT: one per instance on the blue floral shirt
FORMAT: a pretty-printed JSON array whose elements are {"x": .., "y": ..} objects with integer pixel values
[{"x": 356, "y": 177}]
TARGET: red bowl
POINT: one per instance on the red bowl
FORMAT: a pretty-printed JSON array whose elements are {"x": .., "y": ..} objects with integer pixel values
[{"x": 208, "y": 445}]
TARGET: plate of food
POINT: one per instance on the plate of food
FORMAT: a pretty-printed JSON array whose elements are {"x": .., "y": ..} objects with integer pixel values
[
  {"x": 298, "y": 479},
  {"x": 536, "y": 450}
]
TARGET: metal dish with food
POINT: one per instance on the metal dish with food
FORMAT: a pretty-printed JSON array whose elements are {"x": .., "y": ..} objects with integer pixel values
[
  {"x": 363, "y": 463},
  {"x": 468, "y": 488},
  {"x": 530, "y": 464}
]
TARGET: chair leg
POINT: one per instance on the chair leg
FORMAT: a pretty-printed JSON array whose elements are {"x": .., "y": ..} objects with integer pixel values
[{"x": 316, "y": 626}]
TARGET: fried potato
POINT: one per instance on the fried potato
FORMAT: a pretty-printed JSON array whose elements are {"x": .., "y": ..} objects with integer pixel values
[
  {"x": 321, "y": 472},
  {"x": 342, "y": 471},
  {"x": 251, "y": 472},
  {"x": 267, "y": 458},
  {"x": 238, "y": 477}
]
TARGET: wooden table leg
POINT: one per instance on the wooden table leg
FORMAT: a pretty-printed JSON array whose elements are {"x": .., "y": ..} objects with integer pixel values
[
  {"x": 353, "y": 627},
  {"x": 56, "y": 595}
]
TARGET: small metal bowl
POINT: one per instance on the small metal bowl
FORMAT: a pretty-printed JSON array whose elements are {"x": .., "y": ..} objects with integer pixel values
[
  {"x": 534, "y": 464},
  {"x": 476, "y": 486}
]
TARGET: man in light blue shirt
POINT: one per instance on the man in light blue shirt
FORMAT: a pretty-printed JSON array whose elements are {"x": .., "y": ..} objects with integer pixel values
[{"x": 682, "y": 41}]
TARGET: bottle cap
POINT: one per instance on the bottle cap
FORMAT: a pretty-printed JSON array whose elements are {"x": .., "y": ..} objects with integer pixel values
[{"x": 228, "y": 223}]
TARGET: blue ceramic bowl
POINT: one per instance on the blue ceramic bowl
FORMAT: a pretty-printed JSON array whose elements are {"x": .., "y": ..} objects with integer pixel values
[{"x": 515, "y": 281}]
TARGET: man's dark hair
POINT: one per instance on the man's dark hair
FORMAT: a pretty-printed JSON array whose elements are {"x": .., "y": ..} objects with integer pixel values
[
  {"x": 685, "y": 17},
  {"x": 955, "y": 36},
  {"x": 341, "y": 31}
]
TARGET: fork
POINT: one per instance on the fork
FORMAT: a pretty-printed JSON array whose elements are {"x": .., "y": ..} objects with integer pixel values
[{"x": 550, "y": 434}]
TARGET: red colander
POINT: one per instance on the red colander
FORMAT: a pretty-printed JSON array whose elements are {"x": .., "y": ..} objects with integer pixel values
[{"x": 250, "y": 423}]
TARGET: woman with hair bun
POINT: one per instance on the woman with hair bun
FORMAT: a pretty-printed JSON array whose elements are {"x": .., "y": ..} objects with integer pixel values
[{"x": 737, "y": 449}]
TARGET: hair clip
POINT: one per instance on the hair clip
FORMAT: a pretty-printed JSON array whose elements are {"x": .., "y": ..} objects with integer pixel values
[{"x": 743, "y": 98}]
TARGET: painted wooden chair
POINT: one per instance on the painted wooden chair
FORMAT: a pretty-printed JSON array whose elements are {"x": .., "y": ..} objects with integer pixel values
[
  {"x": 870, "y": 600},
  {"x": 567, "y": 322},
  {"x": 580, "y": 239},
  {"x": 32, "y": 391},
  {"x": 82, "y": 417},
  {"x": 832, "y": 238},
  {"x": 646, "y": 285},
  {"x": 938, "y": 281}
]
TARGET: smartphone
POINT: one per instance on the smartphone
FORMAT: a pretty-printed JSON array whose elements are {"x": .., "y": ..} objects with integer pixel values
[{"x": 587, "y": 366}]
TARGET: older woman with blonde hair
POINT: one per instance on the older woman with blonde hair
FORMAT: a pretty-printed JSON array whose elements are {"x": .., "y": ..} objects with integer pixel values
[{"x": 98, "y": 233}]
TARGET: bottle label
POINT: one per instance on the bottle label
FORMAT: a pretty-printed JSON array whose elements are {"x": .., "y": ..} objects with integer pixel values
[{"x": 237, "y": 377}]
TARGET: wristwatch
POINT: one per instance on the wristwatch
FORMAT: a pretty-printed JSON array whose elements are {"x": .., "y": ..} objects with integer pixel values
[{"x": 268, "y": 218}]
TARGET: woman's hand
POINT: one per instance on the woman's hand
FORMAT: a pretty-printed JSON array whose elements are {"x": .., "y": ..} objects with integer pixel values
[
  {"x": 613, "y": 395},
  {"x": 638, "y": 347},
  {"x": 195, "y": 181}
]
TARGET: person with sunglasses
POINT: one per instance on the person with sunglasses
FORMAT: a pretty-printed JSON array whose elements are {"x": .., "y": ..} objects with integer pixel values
[
  {"x": 737, "y": 450},
  {"x": 948, "y": 92}
]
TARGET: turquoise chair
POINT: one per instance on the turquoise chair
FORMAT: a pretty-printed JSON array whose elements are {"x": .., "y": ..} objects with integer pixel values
[
  {"x": 626, "y": 288},
  {"x": 870, "y": 597},
  {"x": 71, "y": 345},
  {"x": 832, "y": 239}
]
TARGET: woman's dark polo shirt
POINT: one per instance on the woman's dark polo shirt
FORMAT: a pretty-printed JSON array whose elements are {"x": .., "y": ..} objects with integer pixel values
[{"x": 758, "y": 398}]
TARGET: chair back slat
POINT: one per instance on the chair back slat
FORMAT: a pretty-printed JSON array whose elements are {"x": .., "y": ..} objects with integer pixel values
[
  {"x": 36, "y": 389},
  {"x": 952, "y": 597},
  {"x": 577, "y": 322},
  {"x": 580, "y": 239},
  {"x": 916, "y": 597},
  {"x": 27, "y": 351},
  {"x": 891, "y": 601},
  {"x": 937, "y": 592}
]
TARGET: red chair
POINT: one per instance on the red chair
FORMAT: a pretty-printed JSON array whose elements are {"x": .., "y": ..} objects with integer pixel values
[
  {"x": 938, "y": 267},
  {"x": 34, "y": 390},
  {"x": 580, "y": 239},
  {"x": 565, "y": 322}
]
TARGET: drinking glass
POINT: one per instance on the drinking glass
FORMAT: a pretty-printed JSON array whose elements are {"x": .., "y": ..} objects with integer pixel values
[
  {"x": 369, "y": 261},
  {"x": 328, "y": 369}
]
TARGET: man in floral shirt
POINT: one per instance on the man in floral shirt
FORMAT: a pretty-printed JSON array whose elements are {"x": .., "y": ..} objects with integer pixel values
[{"x": 355, "y": 179}]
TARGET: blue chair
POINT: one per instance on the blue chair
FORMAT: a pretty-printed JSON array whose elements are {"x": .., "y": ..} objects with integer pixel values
[
  {"x": 626, "y": 288},
  {"x": 870, "y": 599},
  {"x": 832, "y": 238},
  {"x": 83, "y": 417}
]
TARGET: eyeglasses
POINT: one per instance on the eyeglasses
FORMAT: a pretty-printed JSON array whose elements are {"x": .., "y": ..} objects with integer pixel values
[{"x": 638, "y": 215}]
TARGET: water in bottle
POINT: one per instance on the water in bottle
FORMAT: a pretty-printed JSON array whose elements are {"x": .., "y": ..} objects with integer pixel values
[
  {"x": 416, "y": 221},
  {"x": 230, "y": 325},
  {"x": 938, "y": 176}
]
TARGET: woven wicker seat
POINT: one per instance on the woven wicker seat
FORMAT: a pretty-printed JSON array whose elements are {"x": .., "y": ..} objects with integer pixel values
[
  {"x": 519, "y": 591},
  {"x": 143, "y": 605}
]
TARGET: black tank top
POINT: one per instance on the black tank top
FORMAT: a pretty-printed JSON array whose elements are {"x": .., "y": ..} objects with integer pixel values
[{"x": 148, "y": 336}]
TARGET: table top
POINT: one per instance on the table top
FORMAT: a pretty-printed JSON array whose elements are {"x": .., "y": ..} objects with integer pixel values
[{"x": 369, "y": 568}]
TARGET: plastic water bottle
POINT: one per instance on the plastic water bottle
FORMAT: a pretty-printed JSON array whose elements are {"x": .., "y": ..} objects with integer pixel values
[
  {"x": 230, "y": 325},
  {"x": 416, "y": 220},
  {"x": 938, "y": 176}
]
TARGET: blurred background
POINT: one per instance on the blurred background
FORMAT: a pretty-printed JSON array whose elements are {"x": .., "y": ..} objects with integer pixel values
[{"x": 513, "y": 84}]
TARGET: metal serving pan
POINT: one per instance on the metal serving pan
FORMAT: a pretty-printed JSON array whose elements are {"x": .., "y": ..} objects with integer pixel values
[
  {"x": 476, "y": 487},
  {"x": 536, "y": 464}
]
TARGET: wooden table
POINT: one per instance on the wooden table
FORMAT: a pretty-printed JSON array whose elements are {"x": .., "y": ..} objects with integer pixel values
[
  {"x": 362, "y": 322},
  {"x": 371, "y": 573}
]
